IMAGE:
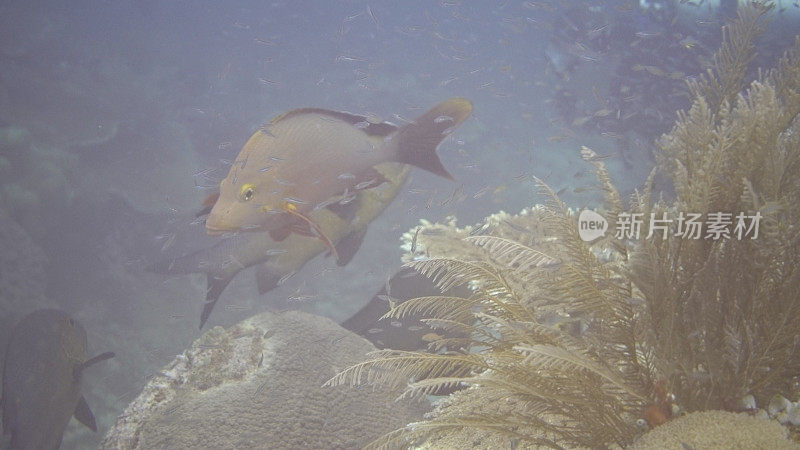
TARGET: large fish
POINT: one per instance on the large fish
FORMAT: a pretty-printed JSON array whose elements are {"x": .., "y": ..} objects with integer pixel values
[
  {"x": 42, "y": 378},
  {"x": 309, "y": 157},
  {"x": 344, "y": 224}
]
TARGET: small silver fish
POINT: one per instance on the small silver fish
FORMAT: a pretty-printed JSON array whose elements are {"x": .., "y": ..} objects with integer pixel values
[{"x": 365, "y": 184}]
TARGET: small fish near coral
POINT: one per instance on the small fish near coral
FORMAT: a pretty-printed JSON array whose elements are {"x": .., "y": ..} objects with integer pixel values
[
  {"x": 44, "y": 362},
  {"x": 308, "y": 157}
]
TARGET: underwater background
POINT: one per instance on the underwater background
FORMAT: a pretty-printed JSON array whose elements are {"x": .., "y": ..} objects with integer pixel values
[{"x": 118, "y": 118}]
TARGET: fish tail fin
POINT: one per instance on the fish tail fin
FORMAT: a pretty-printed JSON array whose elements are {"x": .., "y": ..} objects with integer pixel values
[{"x": 416, "y": 142}]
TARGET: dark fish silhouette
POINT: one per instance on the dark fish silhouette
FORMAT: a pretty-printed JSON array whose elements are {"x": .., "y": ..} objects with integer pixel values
[
  {"x": 344, "y": 224},
  {"x": 307, "y": 157},
  {"x": 41, "y": 379},
  {"x": 406, "y": 334}
]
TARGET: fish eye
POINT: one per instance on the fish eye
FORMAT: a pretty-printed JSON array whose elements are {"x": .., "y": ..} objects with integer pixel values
[{"x": 247, "y": 191}]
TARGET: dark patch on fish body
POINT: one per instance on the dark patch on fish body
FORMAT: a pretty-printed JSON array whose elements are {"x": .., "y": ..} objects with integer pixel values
[
  {"x": 370, "y": 128},
  {"x": 41, "y": 379}
]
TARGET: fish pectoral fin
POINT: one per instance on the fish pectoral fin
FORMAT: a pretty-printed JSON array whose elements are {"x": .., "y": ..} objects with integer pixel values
[
  {"x": 76, "y": 372},
  {"x": 319, "y": 233},
  {"x": 84, "y": 414},
  {"x": 349, "y": 245},
  {"x": 280, "y": 234}
]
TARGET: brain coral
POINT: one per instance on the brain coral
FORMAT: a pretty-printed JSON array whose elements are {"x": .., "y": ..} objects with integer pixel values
[
  {"x": 717, "y": 429},
  {"x": 259, "y": 384}
]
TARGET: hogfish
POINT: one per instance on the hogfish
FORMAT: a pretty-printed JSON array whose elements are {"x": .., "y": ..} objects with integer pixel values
[{"x": 310, "y": 157}]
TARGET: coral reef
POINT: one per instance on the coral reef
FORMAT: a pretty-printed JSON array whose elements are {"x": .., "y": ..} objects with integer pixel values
[
  {"x": 260, "y": 382},
  {"x": 535, "y": 372},
  {"x": 722, "y": 311},
  {"x": 595, "y": 342},
  {"x": 716, "y": 429}
]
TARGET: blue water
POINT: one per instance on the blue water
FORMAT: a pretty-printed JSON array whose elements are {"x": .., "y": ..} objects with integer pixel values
[{"x": 118, "y": 118}]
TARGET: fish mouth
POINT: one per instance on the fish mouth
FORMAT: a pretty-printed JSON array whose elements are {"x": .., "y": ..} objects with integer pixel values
[
  {"x": 217, "y": 231},
  {"x": 211, "y": 231},
  {"x": 217, "y": 225}
]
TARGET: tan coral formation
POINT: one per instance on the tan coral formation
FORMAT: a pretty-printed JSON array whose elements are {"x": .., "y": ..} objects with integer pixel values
[
  {"x": 717, "y": 430},
  {"x": 259, "y": 384}
]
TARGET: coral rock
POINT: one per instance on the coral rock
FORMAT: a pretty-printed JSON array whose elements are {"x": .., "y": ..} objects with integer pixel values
[
  {"x": 259, "y": 384},
  {"x": 716, "y": 429}
]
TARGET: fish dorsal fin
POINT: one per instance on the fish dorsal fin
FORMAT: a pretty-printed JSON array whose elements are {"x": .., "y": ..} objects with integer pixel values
[
  {"x": 382, "y": 129},
  {"x": 84, "y": 414},
  {"x": 76, "y": 372}
]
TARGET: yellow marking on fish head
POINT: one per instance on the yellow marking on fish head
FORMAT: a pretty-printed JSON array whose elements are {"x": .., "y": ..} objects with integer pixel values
[
  {"x": 247, "y": 192},
  {"x": 244, "y": 206}
]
